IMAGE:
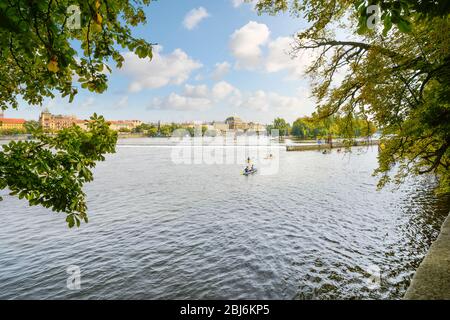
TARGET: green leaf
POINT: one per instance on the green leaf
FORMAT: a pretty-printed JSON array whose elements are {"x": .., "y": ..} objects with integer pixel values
[
  {"x": 404, "y": 26},
  {"x": 387, "y": 24}
]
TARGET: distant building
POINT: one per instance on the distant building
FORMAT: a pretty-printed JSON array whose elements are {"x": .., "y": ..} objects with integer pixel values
[
  {"x": 257, "y": 127},
  {"x": 51, "y": 122},
  {"x": 82, "y": 124},
  {"x": 11, "y": 123},
  {"x": 220, "y": 126},
  {"x": 124, "y": 124},
  {"x": 236, "y": 123}
]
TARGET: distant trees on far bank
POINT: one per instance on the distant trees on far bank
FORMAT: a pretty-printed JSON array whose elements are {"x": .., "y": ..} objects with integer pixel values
[
  {"x": 164, "y": 130},
  {"x": 313, "y": 127},
  {"x": 281, "y": 125}
]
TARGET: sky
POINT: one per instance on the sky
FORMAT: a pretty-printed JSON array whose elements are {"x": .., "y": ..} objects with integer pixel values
[{"x": 213, "y": 59}]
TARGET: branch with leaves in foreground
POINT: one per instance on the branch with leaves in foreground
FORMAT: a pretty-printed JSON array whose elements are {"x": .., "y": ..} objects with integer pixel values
[
  {"x": 43, "y": 52},
  {"x": 51, "y": 169}
]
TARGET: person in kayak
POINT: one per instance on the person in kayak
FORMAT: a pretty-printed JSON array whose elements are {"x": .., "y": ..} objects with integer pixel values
[
  {"x": 249, "y": 165},
  {"x": 249, "y": 168}
]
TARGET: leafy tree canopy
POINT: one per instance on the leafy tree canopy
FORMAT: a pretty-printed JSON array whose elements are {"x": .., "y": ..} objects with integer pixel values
[
  {"x": 321, "y": 12},
  {"x": 55, "y": 46},
  {"x": 51, "y": 170},
  {"x": 399, "y": 78},
  {"x": 281, "y": 125},
  {"x": 39, "y": 43},
  {"x": 344, "y": 127}
]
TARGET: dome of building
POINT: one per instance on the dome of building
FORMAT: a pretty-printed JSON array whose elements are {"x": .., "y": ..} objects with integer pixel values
[
  {"x": 233, "y": 119},
  {"x": 235, "y": 123}
]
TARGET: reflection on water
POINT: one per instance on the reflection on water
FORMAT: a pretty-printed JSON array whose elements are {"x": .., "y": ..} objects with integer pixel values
[{"x": 159, "y": 230}]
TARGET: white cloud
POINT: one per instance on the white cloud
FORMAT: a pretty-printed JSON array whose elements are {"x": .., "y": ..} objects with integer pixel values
[
  {"x": 199, "y": 77},
  {"x": 268, "y": 104},
  {"x": 265, "y": 101},
  {"x": 162, "y": 70},
  {"x": 279, "y": 58},
  {"x": 200, "y": 91},
  {"x": 253, "y": 49},
  {"x": 201, "y": 98},
  {"x": 223, "y": 89},
  {"x": 175, "y": 101},
  {"x": 281, "y": 102},
  {"x": 220, "y": 91},
  {"x": 256, "y": 101},
  {"x": 238, "y": 3},
  {"x": 194, "y": 17},
  {"x": 198, "y": 97},
  {"x": 246, "y": 42},
  {"x": 221, "y": 69}
]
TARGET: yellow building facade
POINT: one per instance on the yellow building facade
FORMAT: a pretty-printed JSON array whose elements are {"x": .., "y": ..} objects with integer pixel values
[{"x": 11, "y": 123}]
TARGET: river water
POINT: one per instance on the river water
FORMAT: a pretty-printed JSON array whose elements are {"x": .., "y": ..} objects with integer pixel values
[{"x": 315, "y": 229}]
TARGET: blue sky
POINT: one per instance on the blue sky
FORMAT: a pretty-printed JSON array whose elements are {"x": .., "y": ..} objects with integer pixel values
[{"x": 214, "y": 59}]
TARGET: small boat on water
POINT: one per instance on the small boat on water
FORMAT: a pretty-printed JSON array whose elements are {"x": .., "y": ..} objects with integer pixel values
[{"x": 249, "y": 172}]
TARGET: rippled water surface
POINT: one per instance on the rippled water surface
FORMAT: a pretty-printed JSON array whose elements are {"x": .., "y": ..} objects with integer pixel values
[{"x": 160, "y": 230}]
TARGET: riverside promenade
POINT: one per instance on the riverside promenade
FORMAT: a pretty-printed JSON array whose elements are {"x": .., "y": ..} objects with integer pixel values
[{"x": 432, "y": 279}]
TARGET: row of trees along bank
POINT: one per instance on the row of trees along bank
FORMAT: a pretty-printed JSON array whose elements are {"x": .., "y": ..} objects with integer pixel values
[
  {"x": 314, "y": 127},
  {"x": 164, "y": 130}
]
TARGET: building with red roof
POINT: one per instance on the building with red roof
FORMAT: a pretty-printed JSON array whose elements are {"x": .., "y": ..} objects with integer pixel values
[{"x": 11, "y": 123}]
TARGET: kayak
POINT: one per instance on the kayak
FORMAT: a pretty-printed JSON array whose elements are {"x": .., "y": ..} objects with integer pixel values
[{"x": 249, "y": 172}]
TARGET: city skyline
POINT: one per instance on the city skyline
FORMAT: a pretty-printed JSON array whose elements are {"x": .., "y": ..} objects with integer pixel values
[{"x": 6, "y": 116}]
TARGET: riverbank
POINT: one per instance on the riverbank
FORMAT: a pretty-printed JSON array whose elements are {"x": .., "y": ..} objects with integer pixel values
[
  {"x": 305, "y": 147},
  {"x": 432, "y": 279}
]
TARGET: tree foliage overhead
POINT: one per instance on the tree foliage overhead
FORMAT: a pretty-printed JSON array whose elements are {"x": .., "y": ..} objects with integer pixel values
[
  {"x": 42, "y": 50},
  {"x": 51, "y": 170},
  {"x": 399, "y": 78},
  {"x": 392, "y": 12}
]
